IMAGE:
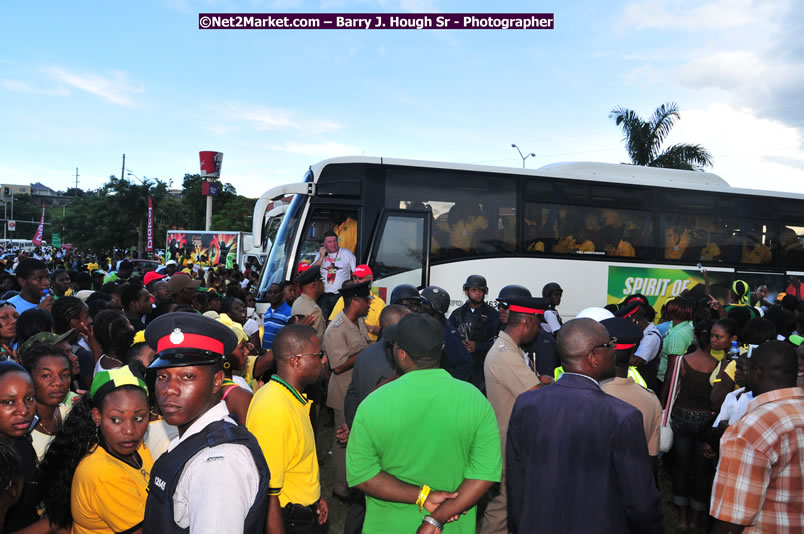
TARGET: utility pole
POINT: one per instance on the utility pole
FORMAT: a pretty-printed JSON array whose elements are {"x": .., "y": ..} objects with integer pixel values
[
  {"x": 76, "y": 179},
  {"x": 123, "y": 171}
]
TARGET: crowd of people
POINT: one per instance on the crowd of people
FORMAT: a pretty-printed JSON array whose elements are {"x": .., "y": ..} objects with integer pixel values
[{"x": 160, "y": 401}]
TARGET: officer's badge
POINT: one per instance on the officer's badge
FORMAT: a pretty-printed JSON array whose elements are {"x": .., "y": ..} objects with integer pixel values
[{"x": 176, "y": 337}]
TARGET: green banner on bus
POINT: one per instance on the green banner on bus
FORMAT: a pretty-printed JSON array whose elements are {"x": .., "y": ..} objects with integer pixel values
[
  {"x": 55, "y": 240},
  {"x": 661, "y": 285}
]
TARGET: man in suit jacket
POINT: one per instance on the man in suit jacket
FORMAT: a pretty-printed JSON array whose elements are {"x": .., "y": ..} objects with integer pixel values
[{"x": 576, "y": 457}]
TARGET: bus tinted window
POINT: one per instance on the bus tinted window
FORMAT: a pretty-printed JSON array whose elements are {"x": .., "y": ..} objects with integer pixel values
[
  {"x": 791, "y": 244},
  {"x": 711, "y": 238},
  {"x": 401, "y": 248},
  {"x": 473, "y": 214},
  {"x": 573, "y": 230}
]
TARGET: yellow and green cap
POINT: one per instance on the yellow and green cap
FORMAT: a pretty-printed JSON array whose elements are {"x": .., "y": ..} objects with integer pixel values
[{"x": 108, "y": 380}]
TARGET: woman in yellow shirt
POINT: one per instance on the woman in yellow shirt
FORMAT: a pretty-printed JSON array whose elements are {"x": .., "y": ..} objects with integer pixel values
[{"x": 95, "y": 474}]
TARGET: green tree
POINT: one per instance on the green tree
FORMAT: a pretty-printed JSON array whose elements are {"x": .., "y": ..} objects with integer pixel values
[
  {"x": 644, "y": 139},
  {"x": 230, "y": 211}
]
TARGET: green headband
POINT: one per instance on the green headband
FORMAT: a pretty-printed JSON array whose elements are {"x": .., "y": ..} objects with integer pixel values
[{"x": 107, "y": 381}]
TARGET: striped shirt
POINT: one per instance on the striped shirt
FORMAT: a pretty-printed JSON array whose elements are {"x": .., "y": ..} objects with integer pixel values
[
  {"x": 760, "y": 476},
  {"x": 275, "y": 319}
]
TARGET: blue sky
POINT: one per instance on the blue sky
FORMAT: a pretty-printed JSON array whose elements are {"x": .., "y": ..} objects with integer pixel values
[{"x": 81, "y": 83}]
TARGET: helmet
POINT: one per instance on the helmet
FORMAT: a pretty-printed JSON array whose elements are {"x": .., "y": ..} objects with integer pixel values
[
  {"x": 477, "y": 282},
  {"x": 437, "y": 297},
  {"x": 404, "y": 291},
  {"x": 552, "y": 287},
  {"x": 513, "y": 290},
  {"x": 598, "y": 314}
]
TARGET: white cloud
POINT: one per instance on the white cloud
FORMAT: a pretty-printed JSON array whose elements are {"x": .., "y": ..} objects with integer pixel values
[
  {"x": 724, "y": 70},
  {"x": 115, "y": 87},
  {"x": 327, "y": 149},
  {"x": 748, "y": 151},
  {"x": 276, "y": 119},
  {"x": 691, "y": 15},
  {"x": 19, "y": 86}
]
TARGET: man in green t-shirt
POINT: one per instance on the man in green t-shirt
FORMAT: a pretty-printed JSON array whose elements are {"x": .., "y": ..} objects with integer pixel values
[{"x": 425, "y": 447}]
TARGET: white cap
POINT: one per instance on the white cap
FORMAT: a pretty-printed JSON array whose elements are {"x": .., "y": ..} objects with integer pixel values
[
  {"x": 598, "y": 314},
  {"x": 170, "y": 262}
]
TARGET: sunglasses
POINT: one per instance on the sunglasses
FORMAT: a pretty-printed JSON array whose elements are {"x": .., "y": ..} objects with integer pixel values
[
  {"x": 320, "y": 354},
  {"x": 610, "y": 344}
]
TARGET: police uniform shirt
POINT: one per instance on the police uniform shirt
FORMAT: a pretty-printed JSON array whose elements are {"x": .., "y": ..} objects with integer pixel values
[
  {"x": 507, "y": 376},
  {"x": 651, "y": 343},
  {"x": 218, "y": 485},
  {"x": 342, "y": 339},
  {"x": 304, "y": 305}
]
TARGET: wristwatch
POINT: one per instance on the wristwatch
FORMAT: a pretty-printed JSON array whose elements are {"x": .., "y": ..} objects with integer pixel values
[{"x": 434, "y": 522}]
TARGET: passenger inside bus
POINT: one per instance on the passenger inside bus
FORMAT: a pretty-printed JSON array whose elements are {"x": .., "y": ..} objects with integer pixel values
[
  {"x": 677, "y": 238},
  {"x": 616, "y": 235},
  {"x": 345, "y": 227},
  {"x": 465, "y": 221},
  {"x": 754, "y": 250}
]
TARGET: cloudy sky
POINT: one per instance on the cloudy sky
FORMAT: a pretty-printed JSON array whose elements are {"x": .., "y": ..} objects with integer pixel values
[{"x": 83, "y": 82}]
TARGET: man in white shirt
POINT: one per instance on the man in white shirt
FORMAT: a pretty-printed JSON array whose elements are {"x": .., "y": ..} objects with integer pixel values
[
  {"x": 336, "y": 265},
  {"x": 213, "y": 477}
]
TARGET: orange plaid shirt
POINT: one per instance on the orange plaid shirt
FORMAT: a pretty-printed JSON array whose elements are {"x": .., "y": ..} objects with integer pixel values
[{"x": 760, "y": 476}]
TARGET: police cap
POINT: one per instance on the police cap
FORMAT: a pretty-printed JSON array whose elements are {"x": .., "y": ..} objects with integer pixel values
[
  {"x": 528, "y": 305},
  {"x": 308, "y": 276},
  {"x": 181, "y": 339},
  {"x": 627, "y": 333},
  {"x": 363, "y": 289},
  {"x": 628, "y": 310}
]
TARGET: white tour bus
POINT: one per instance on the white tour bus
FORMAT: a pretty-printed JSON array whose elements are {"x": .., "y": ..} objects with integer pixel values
[{"x": 602, "y": 231}]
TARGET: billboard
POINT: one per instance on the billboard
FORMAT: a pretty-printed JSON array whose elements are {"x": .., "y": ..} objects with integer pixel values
[
  {"x": 220, "y": 248},
  {"x": 661, "y": 285}
]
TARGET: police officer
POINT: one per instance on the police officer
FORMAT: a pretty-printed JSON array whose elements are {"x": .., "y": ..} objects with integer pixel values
[
  {"x": 345, "y": 338},
  {"x": 213, "y": 477},
  {"x": 509, "y": 372},
  {"x": 543, "y": 349},
  {"x": 477, "y": 322},
  {"x": 626, "y": 388},
  {"x": 456, "y": 360}
]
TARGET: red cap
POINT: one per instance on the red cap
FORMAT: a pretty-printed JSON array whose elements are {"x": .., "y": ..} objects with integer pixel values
[
  {"x": 152, "y": 276},
  {"x": 302, "y": 267},
  {"x": 362, "y": 271}
]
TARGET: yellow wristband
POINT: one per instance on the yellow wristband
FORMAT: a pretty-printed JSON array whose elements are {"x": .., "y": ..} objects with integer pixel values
[{"x": 423, "y": 493}]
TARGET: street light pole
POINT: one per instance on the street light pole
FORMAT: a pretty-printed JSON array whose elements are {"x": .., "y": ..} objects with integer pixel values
[{"x": 513, "y": 145}]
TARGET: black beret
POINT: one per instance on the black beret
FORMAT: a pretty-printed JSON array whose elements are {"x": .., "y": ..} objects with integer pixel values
[{"x": 182, "y": 338}]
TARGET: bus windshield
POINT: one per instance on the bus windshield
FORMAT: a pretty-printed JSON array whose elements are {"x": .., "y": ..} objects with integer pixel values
[{"x": 280, "y": 250}]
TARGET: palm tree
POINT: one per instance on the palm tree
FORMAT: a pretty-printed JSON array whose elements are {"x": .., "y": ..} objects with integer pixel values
[{"x": 643, "y": 140}]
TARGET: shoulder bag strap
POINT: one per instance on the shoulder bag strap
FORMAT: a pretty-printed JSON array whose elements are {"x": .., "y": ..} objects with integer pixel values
[{"x": 673, "y": 391}]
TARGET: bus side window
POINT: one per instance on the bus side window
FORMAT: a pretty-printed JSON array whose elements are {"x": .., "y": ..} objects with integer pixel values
[
  {"x": 400, "y": 248},
  {"x": 790, "y": 244}
]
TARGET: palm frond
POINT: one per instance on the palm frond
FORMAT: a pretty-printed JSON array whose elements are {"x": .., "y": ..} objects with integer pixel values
[
  {"x": 634, "y": 132},
  {"x": 661, "y": 123},
  {"x": 684, "y": 156}
]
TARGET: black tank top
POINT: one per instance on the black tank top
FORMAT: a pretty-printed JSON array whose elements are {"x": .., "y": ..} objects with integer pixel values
[{"x": 694, "y": 389}]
